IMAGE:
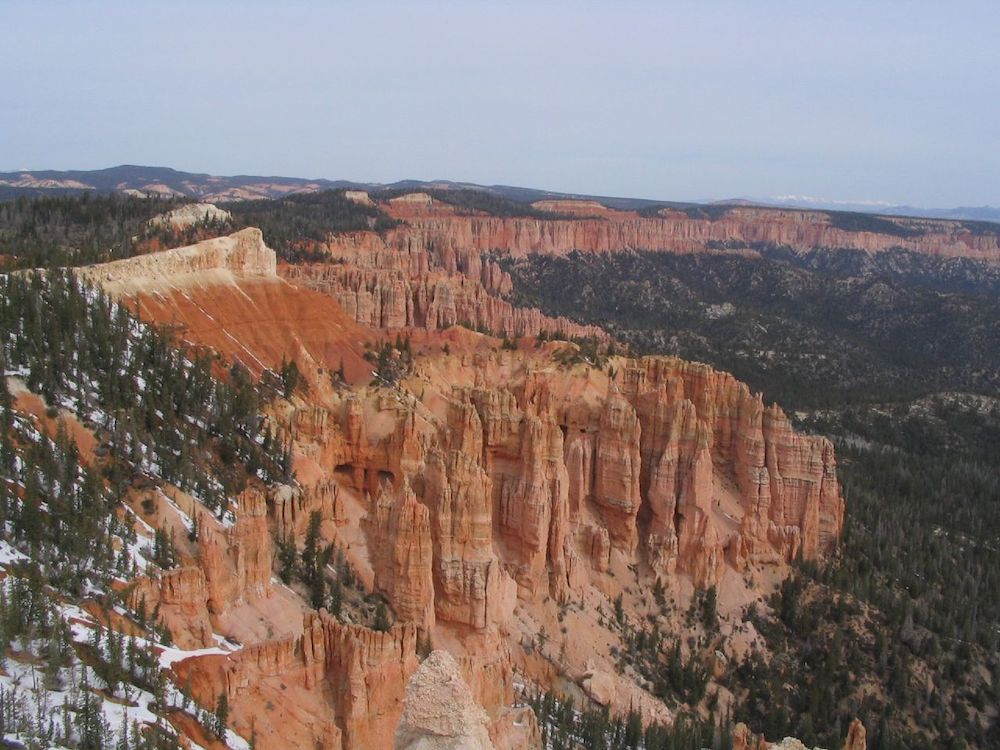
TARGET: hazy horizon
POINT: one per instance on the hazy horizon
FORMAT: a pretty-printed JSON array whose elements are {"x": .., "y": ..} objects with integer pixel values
[{"x": 894, "y": 104}]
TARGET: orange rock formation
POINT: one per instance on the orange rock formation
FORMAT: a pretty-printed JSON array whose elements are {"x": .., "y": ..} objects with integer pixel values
[
  {"x": 453, "y": 233},
  {"x": 485, "y": 488}
]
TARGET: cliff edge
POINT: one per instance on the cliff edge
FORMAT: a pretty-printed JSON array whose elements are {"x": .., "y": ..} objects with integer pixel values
[{"x": 214, "y": 261}]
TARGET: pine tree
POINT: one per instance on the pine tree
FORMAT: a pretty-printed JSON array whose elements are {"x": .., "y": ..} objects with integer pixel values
[
  {"x": 290, "y": 377},
  {"x": 311, "y": 553},
  {"x": 287, "y": 557},
  {"x": 90, "y": 721},
  {"x": 6, "y": 424},
  {"x": 317, "y": 595},
  {"x": 336, "y": 602},
  {"x": 381, "y": 621},
  {"x": 220, "y": 719},
  {"x": 709, "y": 614}
]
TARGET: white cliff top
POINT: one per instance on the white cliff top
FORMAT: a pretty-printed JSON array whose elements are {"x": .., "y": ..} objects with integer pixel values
[{"x": 439, "y": 712}]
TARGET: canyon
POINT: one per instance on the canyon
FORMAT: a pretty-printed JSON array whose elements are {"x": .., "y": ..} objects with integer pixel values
[
  {"x": 420, "y": 469},
  {"x": 505, "y": 501},
  {"x": 439, "y": 267}
]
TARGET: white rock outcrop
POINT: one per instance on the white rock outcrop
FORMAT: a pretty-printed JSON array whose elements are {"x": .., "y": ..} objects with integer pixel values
[
  {"x": 189, "y": 215},
  {"x": 242, "y": 253},
  {"x": 439, "y": 712},
  {"x": 359, "y": 196}
]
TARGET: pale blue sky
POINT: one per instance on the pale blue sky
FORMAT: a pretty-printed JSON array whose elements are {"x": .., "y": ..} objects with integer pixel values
[{"x": 883, "y": 101}]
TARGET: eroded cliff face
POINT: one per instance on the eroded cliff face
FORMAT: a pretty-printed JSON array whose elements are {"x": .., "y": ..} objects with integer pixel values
[
  {"x": 404, "y": 560},
  {"x": 453, "y": 234},
  {"x": 334, "y": 685},
  {"x": 228, "y": 567},
  {"x": 393, "y": 296},
  {"x": 434, "y": 270},
  {"x": 225, "y": 294},
  {"x": 682, "y": 467},
  {"x": 499, "y": 500},
  {"x": 555, "y": 485}
]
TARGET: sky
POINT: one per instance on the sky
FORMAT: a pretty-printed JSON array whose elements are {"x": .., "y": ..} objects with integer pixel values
[{"x": 884, "y": 100}]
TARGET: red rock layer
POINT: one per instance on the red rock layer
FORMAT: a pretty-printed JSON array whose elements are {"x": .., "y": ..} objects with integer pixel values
[
  {"x": 392, "y": 299},
  {"x": 673, "y": 231},
  {"x": 259, "y": 322},
  {"x": 351, "y": 681},
  {"x": 470, "y": 586},
  {"x": 528, "y": 489},
  {"x": 224, "y": 293},
  {"x": 431, "y": 272},
  {"x": 237, "y": 562},
  {"x": 402, "y": 553}
]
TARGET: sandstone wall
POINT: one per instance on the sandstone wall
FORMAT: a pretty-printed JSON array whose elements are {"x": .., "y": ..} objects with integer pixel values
[
  {"x": 675, "y": 231},
  {"x": 672, "y": 463},
  {"x": 360, "y": 675},
  {"x": 391, "y": 298}
]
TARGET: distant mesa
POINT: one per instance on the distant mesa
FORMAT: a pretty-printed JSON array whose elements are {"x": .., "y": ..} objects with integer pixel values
[
  {"x": 579, "y": 208},
  {"x": 419, "y": 199},
  {"x": 144, "y": 180}
]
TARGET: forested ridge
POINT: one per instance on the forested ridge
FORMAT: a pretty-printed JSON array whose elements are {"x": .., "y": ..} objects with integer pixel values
[
  {"x": 297, "y": 225},
  {"x": 49, "y": 232},
  {"x": 162, "y": 413},
  {"x": 812, "y": 330},
  {"x": 167, "y": 420},
  {"x": 79, "y": 230},
  {"x": 152, "y": 399}
]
